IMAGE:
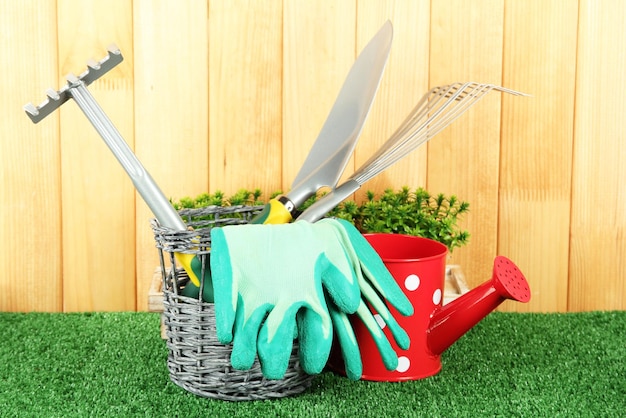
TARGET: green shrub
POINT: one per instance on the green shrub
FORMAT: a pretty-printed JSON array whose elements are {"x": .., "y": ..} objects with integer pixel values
[
  {"x": 405, "y": 211},
  {"x": 242, "y": 197}
]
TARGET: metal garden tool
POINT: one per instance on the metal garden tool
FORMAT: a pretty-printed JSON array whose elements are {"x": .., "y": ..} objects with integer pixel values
[
  {"x": 436, "y": 110},
  {"x": 76, "y": 89},
  {"x": 335, "y": 143}
]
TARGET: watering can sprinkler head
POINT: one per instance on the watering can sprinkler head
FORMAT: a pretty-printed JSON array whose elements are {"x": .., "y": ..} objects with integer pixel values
[{"x": 453, "y": 320}]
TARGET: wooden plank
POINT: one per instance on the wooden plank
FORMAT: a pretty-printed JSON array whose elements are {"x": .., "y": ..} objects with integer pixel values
[
  {"x": 315, "y": 64},
  {"x": 463, "y": 160},
  {"x": 598, "y": 232},
  {"x": 520, "y": 178},
  {"x": 97, "y": 196},
  {"x": 155, "y": 293},
  {"x": 245, "y": 95},
  {"x": 171, "y": 110},
  {"x": 536, "y": 157},
  {"x": 403, "y": 84},
  {"x": 30, "y": 213}
]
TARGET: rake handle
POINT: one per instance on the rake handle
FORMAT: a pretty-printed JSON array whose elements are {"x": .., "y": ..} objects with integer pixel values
[{"x": 144, "y": 183}]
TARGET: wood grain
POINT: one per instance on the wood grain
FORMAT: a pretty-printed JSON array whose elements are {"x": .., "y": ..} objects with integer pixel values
[
  {"x": 30, "y": 213},
  {"x": 171, "y": 110},
  {"x": 245, "y": 95},
  {"x": 230, "y": 94},
  {"x": 97, "y": 196},
  {"x": 597, "y": 260},
  {"x": 536, "y": 152},
  {"x": 315, "y": 64},
  {"x": 404, "y": 82},
  {"x": 463, "y": 160}
]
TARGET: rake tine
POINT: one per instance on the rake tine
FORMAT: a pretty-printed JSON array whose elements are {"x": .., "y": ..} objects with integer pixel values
[
  {"x": 464, "y": 96},
  {"x": 408, "y": 127},
  {"x": 419, "y": 112}
]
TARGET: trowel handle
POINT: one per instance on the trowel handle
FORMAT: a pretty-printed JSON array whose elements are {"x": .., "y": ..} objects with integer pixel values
[
  {"x": 145, "y": 185},
  {"x": 327, "y": 202}
]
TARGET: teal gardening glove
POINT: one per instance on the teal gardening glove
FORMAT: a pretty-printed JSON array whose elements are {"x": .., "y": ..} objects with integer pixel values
[
  {"x": 375, "y": 282},
  {"x": 270, "y": 267},
  {"x": 269, "y": 281}
]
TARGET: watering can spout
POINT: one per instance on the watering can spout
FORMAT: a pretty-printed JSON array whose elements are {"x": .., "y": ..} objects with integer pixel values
[{"x": 453, "y": 320}]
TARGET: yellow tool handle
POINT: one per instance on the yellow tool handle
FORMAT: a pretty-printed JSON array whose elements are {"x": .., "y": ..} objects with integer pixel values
[
  {"x": 277, "y": 211},
  {"x": 185, "y": 261},
  {"x": 193, "y": 266}
]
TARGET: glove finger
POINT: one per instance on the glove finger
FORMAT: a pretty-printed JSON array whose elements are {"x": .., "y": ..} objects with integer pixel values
[
  {"x": 343, "y": 291},
  {"x": 347, "y": 343},
  {"x": 275, "y": 343},
  {"x": 401, "y": 337},
  {"x": 389, "y": 356},
  {"x": 315, "y": 336},
  {"x": 375, "y": 270},
  {"x": 245, "y": 340},
  {"x": 224, "y": 291}
]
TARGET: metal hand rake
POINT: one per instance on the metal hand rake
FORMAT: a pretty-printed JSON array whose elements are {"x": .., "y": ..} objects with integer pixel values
[{"x": 436, "y": 110}]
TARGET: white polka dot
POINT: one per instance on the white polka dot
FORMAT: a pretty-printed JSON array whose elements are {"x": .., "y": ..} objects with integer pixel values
[
  {"x": 412, "y": 282},
  {"x": 437, "y": 296},
  {"x": 381, "y": 322},
  {"x": 403, "y": 364}
]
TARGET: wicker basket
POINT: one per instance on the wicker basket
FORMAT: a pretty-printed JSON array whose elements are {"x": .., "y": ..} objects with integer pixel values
[{"x": 197, "y": 361}]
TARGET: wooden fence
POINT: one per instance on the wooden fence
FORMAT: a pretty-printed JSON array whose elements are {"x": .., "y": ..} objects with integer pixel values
[{"x": 230, "y": 94}]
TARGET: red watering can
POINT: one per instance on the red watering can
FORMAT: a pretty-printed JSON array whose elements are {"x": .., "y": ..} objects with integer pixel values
[{"x": 418, "y": 266}]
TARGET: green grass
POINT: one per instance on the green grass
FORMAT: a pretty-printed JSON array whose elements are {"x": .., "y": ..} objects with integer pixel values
[{"x": 114, "y": 364}]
